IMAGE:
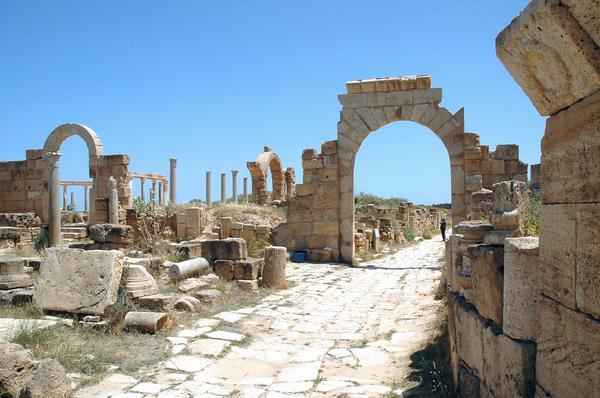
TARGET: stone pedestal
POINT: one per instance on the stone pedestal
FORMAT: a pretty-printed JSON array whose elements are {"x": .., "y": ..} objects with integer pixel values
[
  {"x": 274, "y": 268},
  {"x": 12, "y": 274}
]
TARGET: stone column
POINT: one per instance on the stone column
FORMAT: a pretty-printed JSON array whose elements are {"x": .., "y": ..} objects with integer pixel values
[
  {"x": 54, "y": 224},
  {"x": 72, "y": 200},
  {"x": 234, "y": 174},
  {"x": 246, "y": 190},
  {"x": 143, "y": 189},
  {"x": 173, "y": 178},
  {"x": 64, "y": 198},
  {"x": 86, "y": 199},
  {"x": 160, "y": 192},
  {"x": 113, "y": 204},
  {"x": 165, "y": 183},
  {"x": 92, "y": 199},
  {"x": 223, "y": 188},
  {"x": 208, "y": 190},
  {"x": 153, "y": 195}
]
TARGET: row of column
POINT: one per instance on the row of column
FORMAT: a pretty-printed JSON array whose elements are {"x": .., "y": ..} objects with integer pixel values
[
  {"x": 162, "y": 190},
  {"x": 234, "y": 199},
  {"x": 72, "y": 204}
]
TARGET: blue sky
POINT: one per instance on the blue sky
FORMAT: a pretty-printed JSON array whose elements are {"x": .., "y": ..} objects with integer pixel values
[{"x": 212, "y": 82}]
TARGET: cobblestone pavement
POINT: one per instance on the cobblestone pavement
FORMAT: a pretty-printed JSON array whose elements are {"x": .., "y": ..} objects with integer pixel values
[{"x": 339, "y": 331}]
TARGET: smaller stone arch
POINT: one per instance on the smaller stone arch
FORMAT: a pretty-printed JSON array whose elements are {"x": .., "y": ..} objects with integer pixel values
[
  {"x": 259, "y": 170},
  {"x": 64, "y": 131}
]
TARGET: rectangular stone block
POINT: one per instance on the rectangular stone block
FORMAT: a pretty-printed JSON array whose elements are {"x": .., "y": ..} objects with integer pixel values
[
  {"x": 430, "y": 96},
  {"x": 571, "y": 154},
  {"x": 498, "y": 167},
  {"x": 561, "y": 68},
  {"x": 522, "y": 288},
  {"x": 469, "y": 328},
  {"x": 487, "y": 268},
  {"x": 249, "y": 269},
  {"x": 79, "y": 281},
  {"x": 474, "y": 183},
  {"x": 472, "y": 153},
  {"x": 190, "y": 250},
  {"x": 588, "y": 258},
  {"x": 567, "y": 352},
  {"x": 224, "y": 269},
  {"x": 226, "y": 249},
  {"x": 558, "y": 247}
]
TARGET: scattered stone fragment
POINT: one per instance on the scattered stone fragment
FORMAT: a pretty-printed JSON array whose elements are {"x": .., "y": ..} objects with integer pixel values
[
  {"x": 189, "y": 304},
  {"x": 79, "y": 281},
  {"x": 139, "y": 282},
  {"x": 16, "y": 367},
  {"x": 188, "y": 268},
  {"x": 247, "y": 286},
  {"x": 48, "y": 380},
  {"x": 191, "y": 284},
  {"x": 147, "y": 322},
  {"x": 208, "y": 295}
]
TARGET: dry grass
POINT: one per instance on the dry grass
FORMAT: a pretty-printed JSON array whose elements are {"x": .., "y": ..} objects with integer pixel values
[
  {"x": 90, "y": 352},
  {"x": 247, "y": 214}
]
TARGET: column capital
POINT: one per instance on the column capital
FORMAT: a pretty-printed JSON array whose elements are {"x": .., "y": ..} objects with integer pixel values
[
  {"x": 173, "y": 162},
  {"x": 52, "y": 157}
]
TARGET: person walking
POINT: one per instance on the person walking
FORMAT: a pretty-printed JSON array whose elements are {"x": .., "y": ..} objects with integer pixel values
[{"x": 443, "y": 228}]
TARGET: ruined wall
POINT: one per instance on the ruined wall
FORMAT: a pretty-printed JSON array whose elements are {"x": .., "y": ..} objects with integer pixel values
[
  {"x": 547, "y": 342},
  {"x": 24, "y": 184},
  {"x": 312, "y": 220}
]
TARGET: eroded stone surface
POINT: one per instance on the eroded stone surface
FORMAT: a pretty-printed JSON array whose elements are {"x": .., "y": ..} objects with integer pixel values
[{"x": 79, "y": 281}]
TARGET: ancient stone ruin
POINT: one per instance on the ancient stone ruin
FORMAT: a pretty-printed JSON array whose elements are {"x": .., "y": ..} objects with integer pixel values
[
  {"x": 523, "y": 311},
  {"x": 283, "y": 180}
]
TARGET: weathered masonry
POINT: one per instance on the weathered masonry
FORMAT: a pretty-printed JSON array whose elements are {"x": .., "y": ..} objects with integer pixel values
[
  {"x": 524, "y": 316},
  {"x": 283, "y": 180},
  {"x": 322, "y": 214}
]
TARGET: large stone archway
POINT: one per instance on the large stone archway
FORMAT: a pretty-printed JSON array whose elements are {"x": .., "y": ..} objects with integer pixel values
[
  {"x": 259, "y": 170},
  {"x": 371, "y": 104},
  {"x": 64, "y": 131}
]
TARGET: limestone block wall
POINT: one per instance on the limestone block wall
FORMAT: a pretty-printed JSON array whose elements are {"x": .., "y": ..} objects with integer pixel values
[
  {"x": 313, "y": 221},
  {"x": 551, "y": 311},
  {"x": 493, "y": 279},
  {"x": 23, "y": 184},
  {"x": 249, "y": 232},
  {"x": 484, "y": 168}
]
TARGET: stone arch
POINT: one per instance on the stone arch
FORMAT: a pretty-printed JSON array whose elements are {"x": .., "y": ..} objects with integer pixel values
[
  {"x": 259, "y": 170},
  {"x": 371, "y": 104},
  {"x": 64, "y": 131}
]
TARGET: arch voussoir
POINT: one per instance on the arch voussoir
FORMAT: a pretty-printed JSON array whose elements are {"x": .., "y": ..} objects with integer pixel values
[{"x": 371, "y": 104}]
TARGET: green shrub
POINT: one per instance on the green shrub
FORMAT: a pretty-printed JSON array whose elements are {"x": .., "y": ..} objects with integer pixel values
[
  {"x": 532, "y": 214},
  {"x": 41, "y": 241},
  {"x": 256, "y": 247},
  {"x": 409, "y": 234},
  {"x": 427, "y": 234}
]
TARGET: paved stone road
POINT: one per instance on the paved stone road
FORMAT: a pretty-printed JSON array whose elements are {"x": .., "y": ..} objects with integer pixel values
[{"x": 340, "y": 331}]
